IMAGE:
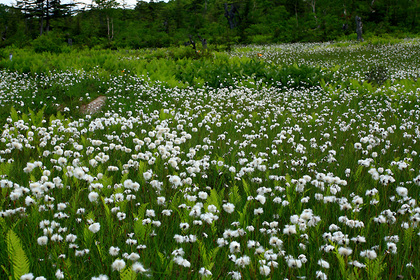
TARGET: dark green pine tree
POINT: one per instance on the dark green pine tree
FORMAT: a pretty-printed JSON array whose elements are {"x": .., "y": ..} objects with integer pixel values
[{"x": 43, "y": 11}]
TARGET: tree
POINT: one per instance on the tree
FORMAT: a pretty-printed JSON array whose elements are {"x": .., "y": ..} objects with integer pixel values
[
  {"x": 43, "y": 11},
  {"x": 312, "y": 3},
  {"x": 12, "y": 27},
  {"x": 106, "y": 8},
  {"x": 4, "y": 12}
]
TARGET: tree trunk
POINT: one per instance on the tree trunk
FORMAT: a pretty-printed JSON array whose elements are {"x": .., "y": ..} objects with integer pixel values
[
  {"x": 414, "y": 23},
  {"x": 107, "y": 25},
  {"x": 41, "y": 18},
  {"x": 110, "y": 29},
  {"x": 41, "y": 25},
  {"x": 47, "y": 28},
  {"x": 359, "y": 28},
  {"x": 313, "y": 3}
]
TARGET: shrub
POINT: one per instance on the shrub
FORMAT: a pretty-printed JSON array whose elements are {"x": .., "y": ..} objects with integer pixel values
[{"x": 48, "y": 43}]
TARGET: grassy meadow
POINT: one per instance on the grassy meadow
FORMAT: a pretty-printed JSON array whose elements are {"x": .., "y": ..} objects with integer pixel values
[{"x": 294, "y": 161}]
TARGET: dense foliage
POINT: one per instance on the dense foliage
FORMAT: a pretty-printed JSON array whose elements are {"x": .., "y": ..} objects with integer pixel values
[{"x": 50, "y": 25}]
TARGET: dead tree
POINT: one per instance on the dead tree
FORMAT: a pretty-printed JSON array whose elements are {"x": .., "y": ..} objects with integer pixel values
[
  {"x": 232, "y": 15},
  {"x": 203, "y": 42},
  {"x": 359, "y": 28}
]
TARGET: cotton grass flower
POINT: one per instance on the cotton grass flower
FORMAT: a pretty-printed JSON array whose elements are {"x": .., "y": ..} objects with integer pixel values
[
  {"x": 229, "y": 207},
  {"x": 370, "y": 254},
  {"x": 133, "y": 257},
  {"x": 258, "y": 211},
  {"x": 243, "y": 261},
  {"x": 148, "y": 175},
  {"x": 42, "y": 241},
  {"x": 71, "y": 238},
  {"x": 138, "y": 268},
  {"x": 118, "y": 265},
  {"x": 28, "y": 276},
  {"x": 202, "y": 195},
  {"x": 181, "y": 261},
  {"x": 289, "y": 229},
  {"x": 59, "y": 274},
  {"x": 29, "y": 201},
  {"x": 235, "y": 275},
  {"x": 234, "y": 247},
  {"x": 345, "y": 251},
  {"x": 401, "y": 191},
  {"x": 392, "y": 247},
  {"x": 161, "y": 200},
  {"x": 184, "y": 226},
  {"x": 175, "y": 181},
  {"x": 293, "y": 263},
  {"x": 205, "y": 272},
  {"x": 100, "y": 277},
  {"x": 95, "y": 227},
  {"x": 264, "y": 270},
  {"x": 357, "y": 264},
  {"x": 321, "y": 275},
  {"x": 323, "y": 264},
  {"x": 114, "y": 251},
  {"x": 260, "y": 198},
  {"x": 93, "y": 196}
]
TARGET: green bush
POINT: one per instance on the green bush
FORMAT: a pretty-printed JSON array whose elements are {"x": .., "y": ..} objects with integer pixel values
[{"x": 48, "y": 43}]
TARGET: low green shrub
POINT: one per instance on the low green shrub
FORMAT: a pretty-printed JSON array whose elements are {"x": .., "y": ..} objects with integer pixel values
[{"x": 49, "y": 42}]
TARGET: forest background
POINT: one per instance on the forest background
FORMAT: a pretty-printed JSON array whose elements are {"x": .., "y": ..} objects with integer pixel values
[{"x": 50, "y": 25}]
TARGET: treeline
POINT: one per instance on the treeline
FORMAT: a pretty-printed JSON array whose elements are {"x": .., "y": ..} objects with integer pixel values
[{"x": 49, "y": 25}]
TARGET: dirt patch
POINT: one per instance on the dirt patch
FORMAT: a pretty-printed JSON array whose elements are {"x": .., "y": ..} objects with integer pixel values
[{"x": 94, "y": 106}]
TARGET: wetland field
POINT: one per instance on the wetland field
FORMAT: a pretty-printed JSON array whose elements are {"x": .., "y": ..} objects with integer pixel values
[{"x": 293, "y": 161}]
